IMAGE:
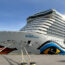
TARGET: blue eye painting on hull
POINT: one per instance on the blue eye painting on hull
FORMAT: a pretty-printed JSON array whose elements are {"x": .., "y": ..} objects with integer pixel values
[{"x": 49, "y": 45}]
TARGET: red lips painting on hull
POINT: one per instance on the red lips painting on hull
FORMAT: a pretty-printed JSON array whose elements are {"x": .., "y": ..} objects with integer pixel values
[{"x": 6, "y": 50}]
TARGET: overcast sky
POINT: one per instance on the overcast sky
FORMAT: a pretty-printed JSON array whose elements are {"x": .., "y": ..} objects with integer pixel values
[{"x": 13, "y": 13}]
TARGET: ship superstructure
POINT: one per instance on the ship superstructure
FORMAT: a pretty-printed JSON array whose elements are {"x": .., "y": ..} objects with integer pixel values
[{"x": 49, "y": 22}]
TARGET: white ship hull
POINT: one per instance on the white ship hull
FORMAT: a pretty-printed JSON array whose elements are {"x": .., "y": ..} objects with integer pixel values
[{"x": 18, "y": 40}]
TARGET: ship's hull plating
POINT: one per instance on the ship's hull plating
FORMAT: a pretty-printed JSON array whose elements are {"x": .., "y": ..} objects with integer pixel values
[{"x": 34, "y": 43}]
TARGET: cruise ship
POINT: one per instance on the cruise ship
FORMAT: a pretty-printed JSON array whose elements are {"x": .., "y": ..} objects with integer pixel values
[{"x": 44, "y": 33}]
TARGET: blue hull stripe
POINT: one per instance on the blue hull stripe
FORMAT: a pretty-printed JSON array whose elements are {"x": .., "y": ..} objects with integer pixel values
[{"x": 49, "y": 45}]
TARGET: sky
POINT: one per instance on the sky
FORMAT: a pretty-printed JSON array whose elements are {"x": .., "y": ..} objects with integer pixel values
[{"x": 13, "y": 13}]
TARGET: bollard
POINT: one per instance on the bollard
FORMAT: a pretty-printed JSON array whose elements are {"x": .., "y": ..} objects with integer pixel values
[
  {"x": 24, "y": 63},
  {"x": 32, "y": 63}
]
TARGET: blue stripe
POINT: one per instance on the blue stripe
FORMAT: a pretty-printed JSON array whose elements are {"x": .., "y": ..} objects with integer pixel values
[
  {"x": 61, "y": 53},
  {"x": 49, "y": 45}
]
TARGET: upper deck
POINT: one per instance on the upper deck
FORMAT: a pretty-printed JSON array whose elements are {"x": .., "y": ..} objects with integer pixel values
[{"x": 47, "y": 13}]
